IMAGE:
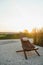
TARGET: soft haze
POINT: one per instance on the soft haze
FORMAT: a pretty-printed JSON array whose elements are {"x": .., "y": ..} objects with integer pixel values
[{"x": 17, "y": 15}]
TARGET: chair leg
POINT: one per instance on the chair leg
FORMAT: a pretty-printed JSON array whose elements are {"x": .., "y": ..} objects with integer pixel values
[
  {"x": 25, "y": 55},
  {"x": 37, "y": 52},
  {"x": 19, "y": 51}
]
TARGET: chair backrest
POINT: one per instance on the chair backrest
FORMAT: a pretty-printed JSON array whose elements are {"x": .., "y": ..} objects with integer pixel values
[{"x": 26, "y": 44}]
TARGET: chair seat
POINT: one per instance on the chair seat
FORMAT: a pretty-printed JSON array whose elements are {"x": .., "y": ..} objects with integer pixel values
[{"x": 27, "y": 45}]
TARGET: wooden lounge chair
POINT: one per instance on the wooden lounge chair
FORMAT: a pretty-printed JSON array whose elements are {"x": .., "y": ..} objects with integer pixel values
[{"x": 27, "y": 46}]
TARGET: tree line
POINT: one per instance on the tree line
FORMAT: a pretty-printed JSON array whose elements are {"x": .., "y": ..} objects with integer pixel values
[{"x": 37, "y": 36}]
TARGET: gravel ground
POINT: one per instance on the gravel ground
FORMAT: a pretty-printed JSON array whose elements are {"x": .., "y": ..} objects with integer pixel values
[{"x": 8, "y": 55}]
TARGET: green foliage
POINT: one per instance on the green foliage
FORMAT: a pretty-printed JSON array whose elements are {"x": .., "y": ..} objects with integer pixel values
[
  {"x": 9, "y": 36},
  {"x": 37, "y": 35},
  {"x": 40, "y": 38},
  {"x": 2, "y": 36}
]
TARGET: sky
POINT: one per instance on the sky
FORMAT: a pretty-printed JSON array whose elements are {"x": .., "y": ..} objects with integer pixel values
[{"x": 17, "y": 15}]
